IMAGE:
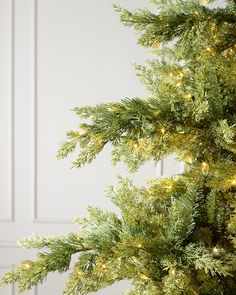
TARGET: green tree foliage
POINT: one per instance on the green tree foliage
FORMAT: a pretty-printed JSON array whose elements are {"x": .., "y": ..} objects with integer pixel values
[{"x": 176, "y": 235}]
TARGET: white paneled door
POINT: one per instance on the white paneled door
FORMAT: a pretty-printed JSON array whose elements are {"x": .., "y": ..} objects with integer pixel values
[{"x": 55, "y": 55}]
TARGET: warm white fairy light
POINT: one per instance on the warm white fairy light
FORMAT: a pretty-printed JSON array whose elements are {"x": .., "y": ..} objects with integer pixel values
[
  {"x": 204, "y": 166},
  {"x": 216, "y": 39},
  {"x": 163, "y": 131},
  {"x": 178, "y": 84},
  {"x": 203, "y": 2},
  {"x": 169, "y": 187},
  {"x": 103, "y": 266},
  {"x": 233, "y": 182},
  {"x": 189, "y": 160},
  {"x": 188, "y": 95},
  {"x": 143, "y": 277},
  {"x": 176, "y": 178},
  {"x": 215, "y": 250},
  {"x": 27, "y": 265}
]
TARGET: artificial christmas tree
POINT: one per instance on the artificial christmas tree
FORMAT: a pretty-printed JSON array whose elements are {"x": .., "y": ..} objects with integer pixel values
[{"x": 177, "y": 235}]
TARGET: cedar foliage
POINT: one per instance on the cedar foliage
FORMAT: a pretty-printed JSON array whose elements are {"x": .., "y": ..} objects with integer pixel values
[{"x": 177, "y": 235}]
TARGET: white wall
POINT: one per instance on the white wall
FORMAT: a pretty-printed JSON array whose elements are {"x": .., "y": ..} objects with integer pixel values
[{"x": 55, "y": 55}]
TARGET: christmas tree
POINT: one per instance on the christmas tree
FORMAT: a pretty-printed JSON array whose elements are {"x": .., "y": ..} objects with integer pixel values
[{"x": 176, "y": 235}]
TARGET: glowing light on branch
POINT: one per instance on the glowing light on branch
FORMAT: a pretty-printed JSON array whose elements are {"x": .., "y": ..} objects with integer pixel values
[
  {"x": 178, "y": 84},
  {"x": 215, "y": 250},
  {"x": 204, "y": 167}
]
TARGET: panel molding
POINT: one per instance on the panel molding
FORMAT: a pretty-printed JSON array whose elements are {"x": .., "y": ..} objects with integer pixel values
[
  {"x": 35, "y": 113},
  {"x": 12, "y": 115},
  {"x": 162, "y": 169},
  {"x": 36, "y": 218},
  {"x": 8, "y": 244}
]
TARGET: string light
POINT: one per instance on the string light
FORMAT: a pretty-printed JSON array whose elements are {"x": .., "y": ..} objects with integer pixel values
[
  {"x": 139, "y": 245},
  {"x": 139, "y": 145},
  {"x": 233, "y": 182},
  {"x": 103, "y": 266},
  {"x": 181, "y": 75},
  {"x": 143, "y": 277},
  {"x": 27, "y": 266},
  {"x": 216, "y": 39},
  {"x": 215, "y": 250},
  {"x": 80, "y": 274},
  {"x": 209, "y": 49},
  {"x": 149, "y": 191},
  {"x": 96, "y": 138},
  {"x": 173, "y": 272},
  {"x": 78, "y": 237},
  {"x": 178, "y": 84},
  {"x": 205, "y": 166},
  {"x": 203, "y": 2},
  {"x": 114, "y": 109},
  {"x": 162, "y": 131},
  {"x": 169, "y": 187},
  {"x": 188, "y": 96},
  {"x": 189, "y": 160},
  {"x": 135, "y": 260}
]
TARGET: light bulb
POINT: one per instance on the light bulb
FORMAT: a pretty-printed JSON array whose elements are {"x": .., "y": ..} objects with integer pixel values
[
  {"x": 233, "y": 182},
  {"x": 215, "y": 250},
  {"x": 188, "y": 96},
  {"x": 189, "y": 160},
  {"x": 169, "y": 187},
  {"x": 205, "y": 166},
  {"x": 178, "y": 84},
  {"x": 216, "y": 39},
  {"x": 27, "y": 266},
  {"x": 203, "y": 2},
  {"x": 143, "y": 277}
]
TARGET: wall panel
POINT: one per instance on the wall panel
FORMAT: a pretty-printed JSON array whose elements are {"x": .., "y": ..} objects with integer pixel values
[{"x": 6, "y": 110}]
